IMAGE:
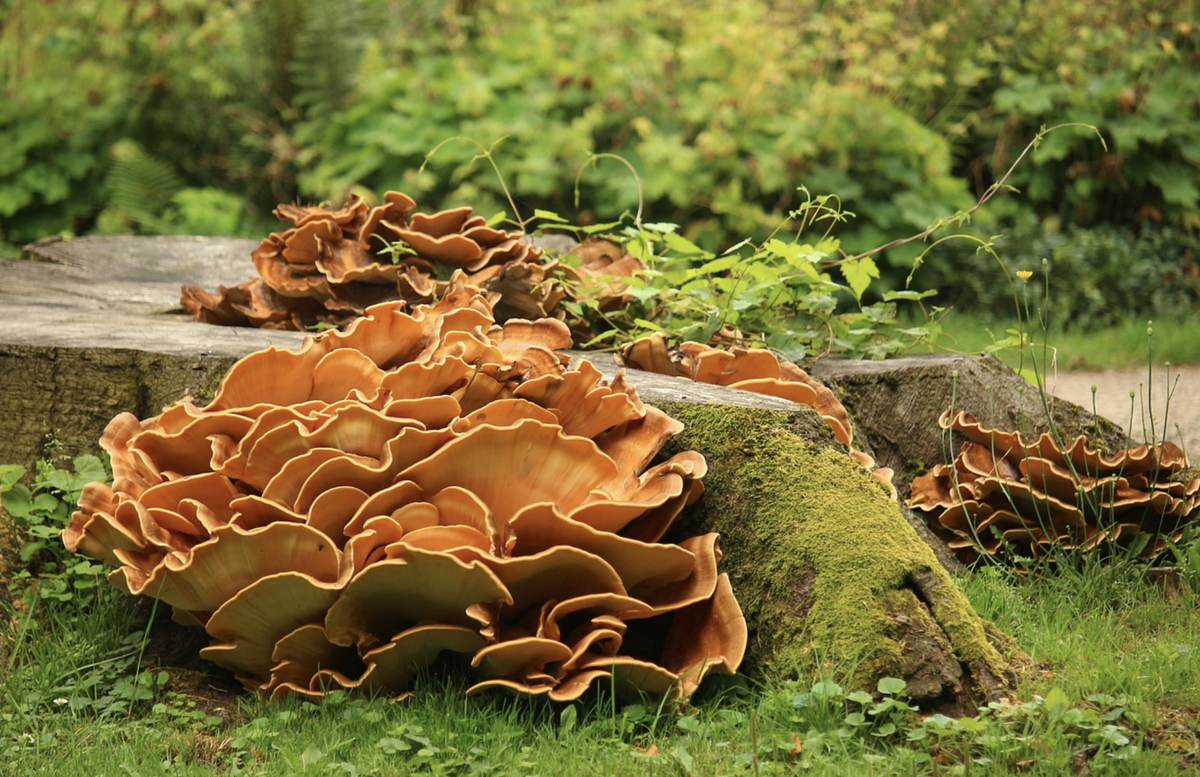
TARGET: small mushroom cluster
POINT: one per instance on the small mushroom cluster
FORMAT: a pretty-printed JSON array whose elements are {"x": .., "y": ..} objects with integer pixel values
[
  {"x": 1004, "y": 495},
  {"x": 749, "y": 369},
  {"x": 332, "y": 264},
  {"x": 340, "y": 515},
  {"x": 533, "y": 287}
]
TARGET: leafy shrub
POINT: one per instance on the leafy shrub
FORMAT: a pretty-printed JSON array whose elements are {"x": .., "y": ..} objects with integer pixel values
[
  {"x": 1097, "y": 276},
  {"x": 1130, "y": 69},
  {"x": 178, "y": 112},
  {"x": 721, "y": 140},
  {"x": 167, "y": 82}
]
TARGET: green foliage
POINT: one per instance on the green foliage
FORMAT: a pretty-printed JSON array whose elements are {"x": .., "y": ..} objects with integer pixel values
[
  {"x": 1186, "y": 554},
  {"x": 41, "y": 512},
  {"x": 720, "y": 148},
  {"x": 781, "y": 293},
  {"x": 94, "y": 94},
  {"x": 1131, "y": 69},
  {"x": 178, "y": 115},
  {"x": 1095, "y": 278}
]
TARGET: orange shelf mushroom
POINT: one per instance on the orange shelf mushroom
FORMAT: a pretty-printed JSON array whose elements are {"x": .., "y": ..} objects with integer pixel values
[
  {"x": 1005, "y": 496},
  {"x": 420, "y": 483},
  {"x": 755, "y": 370},
  {"x": 333, "y": 264}
]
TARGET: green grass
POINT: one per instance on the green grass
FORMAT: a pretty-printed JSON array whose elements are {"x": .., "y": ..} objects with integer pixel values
[
  {"x": 1115, "y": 670},
  {"x": 1125, "y": 345}
]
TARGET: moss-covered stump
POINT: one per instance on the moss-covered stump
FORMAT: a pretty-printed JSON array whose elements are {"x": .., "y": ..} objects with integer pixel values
[{"x": 828, "y": 572}]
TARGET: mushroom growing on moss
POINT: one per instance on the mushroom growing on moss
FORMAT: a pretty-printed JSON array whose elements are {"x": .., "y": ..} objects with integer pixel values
[
  {"x": 755, "y": 370},
  {"x": 1005, "y": 496},
  {"x": 420, "y": 483}
]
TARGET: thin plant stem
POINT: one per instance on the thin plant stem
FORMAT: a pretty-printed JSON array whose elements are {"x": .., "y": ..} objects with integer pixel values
[{"x": 987, "y": 195}]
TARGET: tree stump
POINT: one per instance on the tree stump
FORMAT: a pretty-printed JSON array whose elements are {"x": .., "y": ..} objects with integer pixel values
[
  {"x": 829, "y": 573},
  {"x": 895, "y": 404},
  {"x": 823, "y": 562}
]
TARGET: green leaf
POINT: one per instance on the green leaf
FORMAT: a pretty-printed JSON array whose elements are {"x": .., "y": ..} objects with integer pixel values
[
  {"x": 1178, "y": 183},
  {"x": 736, "y": 247},
  {"x": 393, "y": 745},
  {"x": 680, "y": 244},
  {"x": 971, "y": 724},
  {"x": 893, "y": 686},
  {"x": 600, "y": 338},
  {"x": 567, "y": 720},
  {"x": 653, "y": 327},
  {"x": 9, "y": 475},
  {"x": 1056, "y": 703},
  {"x": 547, "y": 215},
  {"x": 18, "y": 501},
  {"x": 721, "y": 264},
  {"x": 907, "y": 294},
  {"x": 859, "y": 274},
  {"x": 608, "y": 226},
  {"x": 862, "y": 697},
  {"x": 939, "y": 720},
  {"x": 685, "y": 759},
  {"x": 827, "y": 689}
]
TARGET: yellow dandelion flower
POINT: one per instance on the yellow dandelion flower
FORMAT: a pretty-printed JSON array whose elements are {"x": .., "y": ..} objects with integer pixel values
[{"x": 1024, "y": 274}]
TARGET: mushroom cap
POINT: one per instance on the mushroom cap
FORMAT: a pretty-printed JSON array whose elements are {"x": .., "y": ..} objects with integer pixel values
[
  {"x": 1004, "y": 493},
  {"x": 423, "y": 481}
]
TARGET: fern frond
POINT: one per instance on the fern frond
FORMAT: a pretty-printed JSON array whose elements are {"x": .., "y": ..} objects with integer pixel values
[
  {"x": 140, "y": 185},
  {"x": 326, "y": 54}
]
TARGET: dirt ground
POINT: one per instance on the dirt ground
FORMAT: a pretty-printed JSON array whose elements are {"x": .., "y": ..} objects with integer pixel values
[{"x": 1150, "y": 395}]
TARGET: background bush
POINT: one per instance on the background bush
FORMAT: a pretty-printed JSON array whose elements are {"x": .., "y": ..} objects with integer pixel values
[
  {"x": 1097, "y": 276},
  {"x": 158, "y": 116}
]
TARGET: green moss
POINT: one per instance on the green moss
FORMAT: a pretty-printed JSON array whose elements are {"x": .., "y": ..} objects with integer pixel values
[{"x": 821, "y": 560}]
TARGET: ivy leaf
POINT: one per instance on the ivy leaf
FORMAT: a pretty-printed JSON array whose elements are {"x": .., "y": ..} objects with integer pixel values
[{"x": 859, "y": 274}]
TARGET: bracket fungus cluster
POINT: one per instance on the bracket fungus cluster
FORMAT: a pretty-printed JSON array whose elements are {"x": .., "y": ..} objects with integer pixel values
[
  {"x": 422, "y": 482},
  {"x": 333, "y": 264},
  {"x": 1005, "y": 495},
  {"x": 755, "y": 370}
]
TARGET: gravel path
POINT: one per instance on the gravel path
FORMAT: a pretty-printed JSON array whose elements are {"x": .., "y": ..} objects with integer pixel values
[{"x": 1113, "y": 400}]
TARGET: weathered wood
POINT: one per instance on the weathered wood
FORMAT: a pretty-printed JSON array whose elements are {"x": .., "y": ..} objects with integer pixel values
[{"x": 93, "y": 327}]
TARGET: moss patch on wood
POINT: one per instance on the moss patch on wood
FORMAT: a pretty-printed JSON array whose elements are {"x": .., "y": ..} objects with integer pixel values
[{"x": 823, "y": 563}]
